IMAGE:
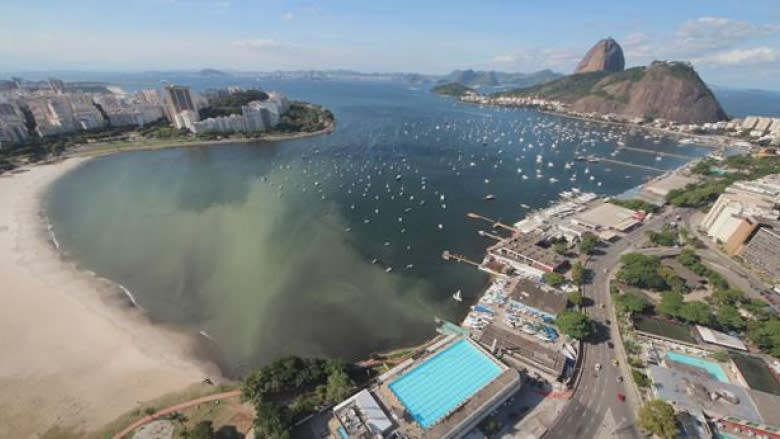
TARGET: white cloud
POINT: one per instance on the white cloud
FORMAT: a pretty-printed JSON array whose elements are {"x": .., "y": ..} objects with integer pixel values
[
  {"x": 708, "y": 33},
  {"x": 533, "y": 59},
  {"x": 503, "y": 59},
  {"x": 756, "y": 55},
  {"x": 637, "y": 44},
  {"x": 289, "y": 16},
  {"x": 259, "y": 44}
]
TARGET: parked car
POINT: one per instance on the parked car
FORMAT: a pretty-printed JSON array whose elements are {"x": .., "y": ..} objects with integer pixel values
[
  {"x": 597, "y": 366},
  {"x": 621, "y": 397}
]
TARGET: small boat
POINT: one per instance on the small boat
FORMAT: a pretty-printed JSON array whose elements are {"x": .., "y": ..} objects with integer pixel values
[
  {"x": 388, "y": 269},
  {"x": 489, "y": 197},
  {"x": 457, "y": 296},
  {"x": 525, "y": 206}
]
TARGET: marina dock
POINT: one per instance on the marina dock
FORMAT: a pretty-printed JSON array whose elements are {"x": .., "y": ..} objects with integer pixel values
[{"x": 632, "y": 165}]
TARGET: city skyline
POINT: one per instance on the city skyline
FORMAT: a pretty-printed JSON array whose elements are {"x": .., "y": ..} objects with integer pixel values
[{"x": 742, "y": 50}]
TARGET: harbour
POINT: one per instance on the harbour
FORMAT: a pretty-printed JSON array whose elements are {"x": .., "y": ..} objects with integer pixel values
[{"x": 337, "y": 200}]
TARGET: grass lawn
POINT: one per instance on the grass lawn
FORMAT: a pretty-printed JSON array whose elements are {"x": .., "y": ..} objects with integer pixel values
[{"x": 676, "y": 331}]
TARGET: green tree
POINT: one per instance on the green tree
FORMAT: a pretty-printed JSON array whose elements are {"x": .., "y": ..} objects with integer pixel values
[
  {"x": 640, "y": 379},
  {"x": 671, "y": 304},
  {"x": 273, "y": 421},
  {"x": 339, "y": 386},
  {"x": 575, "y": 298},
  {"x": 728, "y": 317},
  {"x": 202, "y": 430},
  {"x": 657, "y": 417},
  {"x": 728, "y": 296},
  {"x": 696, "y": 312},
  {"x": 588, "y": 243},
  {"x": 666, "y": 237},
  {"x": 578, "y": 273},
  {"x": 641, "y": 271},
  {"x": 766, "y": 335},
  {"x": 561, "y": 247},
  {"x": 631, "y": 303},
  {"x": 553, "y": 279},
  {"x": 575, "y": 324}
]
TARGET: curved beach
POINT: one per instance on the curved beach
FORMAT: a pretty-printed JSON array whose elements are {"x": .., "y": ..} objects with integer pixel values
[{"x": 75, "y": 353}]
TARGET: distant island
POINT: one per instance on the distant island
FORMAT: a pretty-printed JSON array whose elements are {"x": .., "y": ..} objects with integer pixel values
[
  {"x": 455, "y": 89},
  {"x": 213, "y": 72}
]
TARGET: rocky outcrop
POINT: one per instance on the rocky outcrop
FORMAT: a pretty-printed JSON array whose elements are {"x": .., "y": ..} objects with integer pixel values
[
  {"x": 606, "y": 55},
  {"x": 667, "y": 90}
]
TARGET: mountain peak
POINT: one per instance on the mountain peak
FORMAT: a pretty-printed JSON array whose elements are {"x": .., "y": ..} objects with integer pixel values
[{"x": 606, "y": 55}]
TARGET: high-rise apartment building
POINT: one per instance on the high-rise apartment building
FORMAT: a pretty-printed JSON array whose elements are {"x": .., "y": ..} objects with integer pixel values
[{"x": 179, "y": 99}]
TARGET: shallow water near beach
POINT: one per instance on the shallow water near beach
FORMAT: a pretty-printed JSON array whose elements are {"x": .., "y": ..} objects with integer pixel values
[{"x": 331, "y": 246}]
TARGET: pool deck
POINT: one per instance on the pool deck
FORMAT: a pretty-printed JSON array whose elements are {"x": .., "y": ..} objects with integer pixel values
[{"x": 492, "y": 394}]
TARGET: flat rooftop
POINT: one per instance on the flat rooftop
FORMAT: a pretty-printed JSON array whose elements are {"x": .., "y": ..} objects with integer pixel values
[
  {"x": 669, "y": 183},
  {"x": 534, "y": 354},
  {"x": 527, "y": 244},
  {"x": 536, "y": 296},
  {"x": 719, "y": 338},
  {"x": 608, "y": 216},
  {"x": 691, "y": 392}
]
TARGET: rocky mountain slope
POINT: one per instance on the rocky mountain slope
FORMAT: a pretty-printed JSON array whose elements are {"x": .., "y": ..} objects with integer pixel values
[
  {"x": 667, "y": 90},
  {"x": 606, "y": 55}
]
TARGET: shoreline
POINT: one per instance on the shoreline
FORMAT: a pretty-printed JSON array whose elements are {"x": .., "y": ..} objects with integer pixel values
[
  {"x": 97, "y": 150},
  {"x": 78, "y": 353},
  {"x": 717, "y": 141}
]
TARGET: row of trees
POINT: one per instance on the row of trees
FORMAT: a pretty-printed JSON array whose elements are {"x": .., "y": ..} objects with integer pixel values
[{"x": 727, "y": 309}]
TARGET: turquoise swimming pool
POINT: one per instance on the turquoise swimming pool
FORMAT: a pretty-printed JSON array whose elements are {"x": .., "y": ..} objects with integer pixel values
[
  {"x": 441, "y": 383},
  {"x": 713, "y": 369}
]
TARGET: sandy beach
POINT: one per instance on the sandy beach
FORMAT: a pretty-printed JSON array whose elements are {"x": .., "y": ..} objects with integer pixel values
[{"x": 74, "y": 353}]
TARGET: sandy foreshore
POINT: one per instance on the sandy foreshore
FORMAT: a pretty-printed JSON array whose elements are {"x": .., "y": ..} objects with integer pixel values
[{"x": 74, "y": 353}]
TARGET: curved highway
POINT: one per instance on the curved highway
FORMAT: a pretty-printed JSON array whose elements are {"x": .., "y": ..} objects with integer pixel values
[{"x": 595, "y": 411}]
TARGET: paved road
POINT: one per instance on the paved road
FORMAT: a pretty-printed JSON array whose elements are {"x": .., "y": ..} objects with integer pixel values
[{"x": 595, "y": 397}]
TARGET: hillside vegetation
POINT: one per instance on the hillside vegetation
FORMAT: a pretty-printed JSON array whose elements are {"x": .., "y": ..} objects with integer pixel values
[{"x": 668, "y": 90}]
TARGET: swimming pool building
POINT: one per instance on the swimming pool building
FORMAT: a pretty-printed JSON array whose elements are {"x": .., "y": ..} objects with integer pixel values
[{"x": 443, "y": 391}]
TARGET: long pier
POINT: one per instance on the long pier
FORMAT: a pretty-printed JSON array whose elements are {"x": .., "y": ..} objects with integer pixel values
[
  {"x": 495, "y": 223},
  {"x": 449, "y": 256},
  {"x": 632, "y": 165},
  {"x": 648, "y": 151}
]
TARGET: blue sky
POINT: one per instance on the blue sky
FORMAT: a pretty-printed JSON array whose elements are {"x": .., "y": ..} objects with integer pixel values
[{"x": 731, "y": 42}]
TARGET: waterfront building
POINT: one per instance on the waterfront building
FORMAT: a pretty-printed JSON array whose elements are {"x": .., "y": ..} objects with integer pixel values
[
  {"x": 86, "y": 115},
  {"x": 129, "y": 110},
  {"x": 762, "y": 250},
  {"x": 178, "y": 101},
  {"x": 744, "y": 199},
  {"x": 528, "y": 249},
  {"x": 255, "y": 116},
  {"x": 53, "y": 115},
  {"x": 57, "y": 86},
  {"x": 12, "y": 125}
]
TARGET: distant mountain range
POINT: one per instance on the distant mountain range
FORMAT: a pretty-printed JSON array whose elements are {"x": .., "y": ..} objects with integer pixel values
[{"x": 492, "y": 78}]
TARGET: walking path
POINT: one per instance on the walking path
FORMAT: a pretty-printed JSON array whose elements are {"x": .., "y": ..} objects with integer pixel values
[{"x": 175, "y": 408}]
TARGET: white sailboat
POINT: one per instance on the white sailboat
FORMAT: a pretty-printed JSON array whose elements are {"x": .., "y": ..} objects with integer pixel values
[{"x": 457, "y": 296}]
